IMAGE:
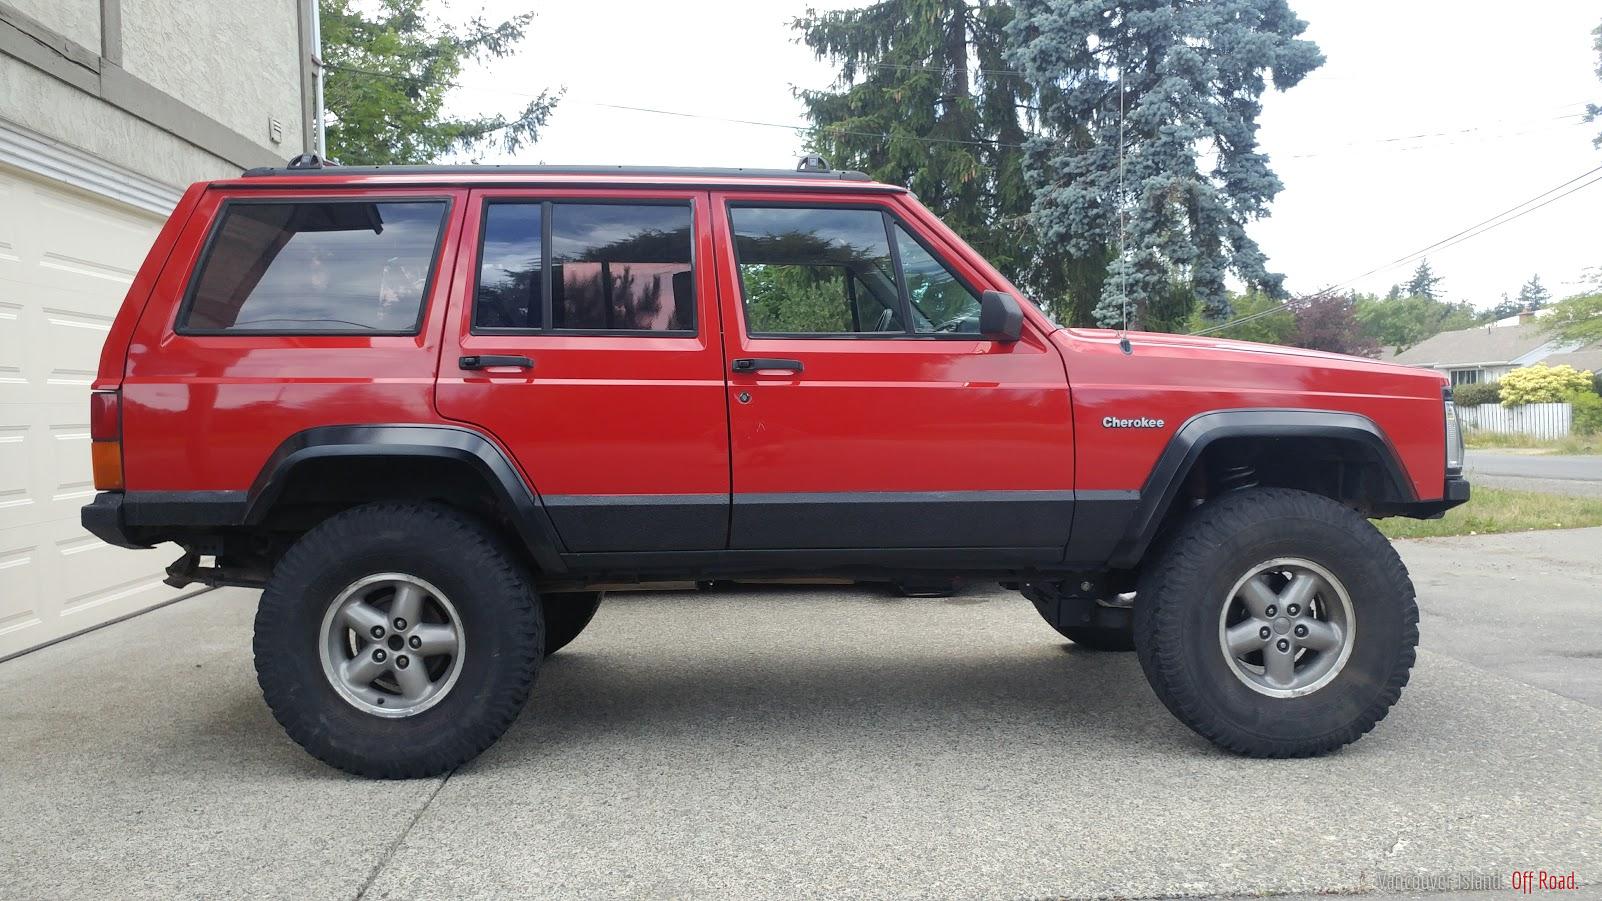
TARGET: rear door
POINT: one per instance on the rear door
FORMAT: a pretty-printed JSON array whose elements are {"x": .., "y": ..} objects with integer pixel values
[
  {"x": 866, "y": 411},
  {"x": 583, "y": 335}
]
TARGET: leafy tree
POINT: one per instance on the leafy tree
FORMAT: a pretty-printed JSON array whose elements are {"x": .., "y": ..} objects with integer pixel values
[
  {"x": 1577, "y": 319},
  {"x": 1424, "y": 282},
  {"x": 924, "y": 98},
  {"x": 1177, "y": 87},
  {"x": 1274, "y": 323},
  {"x": 1329, "y": 322},
  {"x": 388, "y": 70},
  {"x": 1543, "y": 384},
  {"x": 1533, "y": 295},
  {"x": 1405, "y": 321}
]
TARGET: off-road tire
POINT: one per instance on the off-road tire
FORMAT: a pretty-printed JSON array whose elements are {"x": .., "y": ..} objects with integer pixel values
[
  {"x": 500, "y": 619},
  {"x": 566, "y": 615},
  {"x": 1179, "y": 601}
]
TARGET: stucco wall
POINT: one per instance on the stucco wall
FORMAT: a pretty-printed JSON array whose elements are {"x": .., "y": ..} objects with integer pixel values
[
  {"x": 237, "y": 61},
  {"x": 75, "y": 19},
  {"x": 61, "y": 112}
]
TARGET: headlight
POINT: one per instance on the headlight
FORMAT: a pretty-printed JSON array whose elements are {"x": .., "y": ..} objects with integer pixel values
[{"x": 1454, "y": 437}]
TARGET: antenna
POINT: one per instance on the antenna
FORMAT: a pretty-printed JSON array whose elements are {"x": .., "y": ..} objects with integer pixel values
[{"x": 1123, "y": 225}]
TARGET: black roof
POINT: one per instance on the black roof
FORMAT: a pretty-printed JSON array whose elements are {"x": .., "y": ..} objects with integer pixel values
[{"x": 677, "y": 172}]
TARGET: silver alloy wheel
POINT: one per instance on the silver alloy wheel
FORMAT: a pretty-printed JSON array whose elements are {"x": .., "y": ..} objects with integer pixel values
[
  {"x": 1287, "y": 627},
  {"x": 392, "y": 645}
]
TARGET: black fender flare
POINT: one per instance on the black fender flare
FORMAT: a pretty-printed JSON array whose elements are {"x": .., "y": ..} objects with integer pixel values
[
  {"x": 1197, "y": 433},
  {"x": 456, "y": 443}
]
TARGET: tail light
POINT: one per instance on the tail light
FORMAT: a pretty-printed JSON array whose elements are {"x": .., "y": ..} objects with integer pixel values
[{"x": 105, "y": 439}]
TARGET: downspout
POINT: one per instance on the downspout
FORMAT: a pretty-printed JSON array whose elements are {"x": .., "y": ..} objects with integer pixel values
[{"x": 314, "y": 17}]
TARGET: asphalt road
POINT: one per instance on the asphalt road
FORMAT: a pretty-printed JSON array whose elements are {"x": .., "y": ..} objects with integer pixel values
[
  {"x": 1580, "y": 475},
  {"x": 821, "y": 743}
]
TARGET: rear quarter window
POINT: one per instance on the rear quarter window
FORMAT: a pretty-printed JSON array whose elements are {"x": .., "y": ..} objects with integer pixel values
[{"x": 316, "y": 267}]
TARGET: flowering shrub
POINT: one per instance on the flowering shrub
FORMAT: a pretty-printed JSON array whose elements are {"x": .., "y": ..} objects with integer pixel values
[{"x": 1542, "y": 384}]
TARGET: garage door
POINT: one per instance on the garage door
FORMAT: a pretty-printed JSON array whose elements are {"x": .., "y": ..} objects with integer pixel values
[{"x": 66, "y": 259}]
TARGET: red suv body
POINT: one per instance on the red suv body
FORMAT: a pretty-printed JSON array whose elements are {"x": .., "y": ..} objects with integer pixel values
[{"x": 631, "y": 375}]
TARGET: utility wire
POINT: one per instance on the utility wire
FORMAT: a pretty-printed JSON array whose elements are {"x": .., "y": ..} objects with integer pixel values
[
  {"x": 887, "y": 136},
  {"x": 1518, "y": 211}
]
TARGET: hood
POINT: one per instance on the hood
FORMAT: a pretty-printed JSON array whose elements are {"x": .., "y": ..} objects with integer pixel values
[{"x": 1230, "y": 348}]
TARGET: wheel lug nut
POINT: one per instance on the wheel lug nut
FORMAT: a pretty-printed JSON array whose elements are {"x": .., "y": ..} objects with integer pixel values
[
  {"x": 1271, "y": 610},
  {"x": 376, "y": 631},
  {"x": 1263, "y": 632},
  {"x": 400, "y": 624},
  {"x": 403, "y": 661},
  {"x": 1301, "y": 631},
  {"x": 380, "y": 656},
  {"x": 416, "y": 642},
  {"x": 1283, "y": 645},
  {"x": 1293, "y": 610}
]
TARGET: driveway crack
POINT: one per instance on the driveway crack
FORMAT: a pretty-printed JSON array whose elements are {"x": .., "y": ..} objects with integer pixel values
[{"x": 389, "y": 852}]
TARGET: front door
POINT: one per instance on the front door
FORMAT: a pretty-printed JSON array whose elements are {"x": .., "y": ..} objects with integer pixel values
[
  {"x": 584, "y": 337},
  {"x": 866, "y": 412}
]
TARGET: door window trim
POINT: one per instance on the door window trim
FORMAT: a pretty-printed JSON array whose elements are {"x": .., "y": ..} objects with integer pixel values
[
  {"x": 548, "y": 272},
  {"x": 891, "y": 219},
  {"x": 214, "y": 232}
]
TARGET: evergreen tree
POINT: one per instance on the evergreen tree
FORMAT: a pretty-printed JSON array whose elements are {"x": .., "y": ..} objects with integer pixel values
[
  {"x": 1533, "y": 295},
  {"x": 389, "y": 67},
  {"x": 1424, "y": 282},
  {"x": 925, "y": 99},
  {"x": 1177, "y": 88},
  {"x": 1507, "y": 307},
  {"x": 1593, "y": 111}
]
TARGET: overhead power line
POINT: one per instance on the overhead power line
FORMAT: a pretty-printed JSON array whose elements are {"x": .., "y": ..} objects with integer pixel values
[{"x": 1512, "y": 213}]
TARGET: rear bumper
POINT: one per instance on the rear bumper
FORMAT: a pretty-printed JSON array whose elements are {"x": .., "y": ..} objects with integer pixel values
[{"x": 104, "y": 520}]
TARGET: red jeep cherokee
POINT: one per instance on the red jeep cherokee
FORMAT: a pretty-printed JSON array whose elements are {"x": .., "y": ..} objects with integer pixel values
[{"x": 433, "y": 411}]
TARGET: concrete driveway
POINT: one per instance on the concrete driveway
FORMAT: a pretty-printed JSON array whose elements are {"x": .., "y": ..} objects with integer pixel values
[
  {"x": 1554, "y": 473},
  {"x": 820, "y": 743}
]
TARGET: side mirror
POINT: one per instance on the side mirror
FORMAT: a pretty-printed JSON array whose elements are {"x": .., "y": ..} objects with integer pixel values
[{"x": 1000, "y": 317}]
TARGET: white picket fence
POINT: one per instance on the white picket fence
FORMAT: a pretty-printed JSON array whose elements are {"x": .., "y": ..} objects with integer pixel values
[{"x": 1535, "y": 420}]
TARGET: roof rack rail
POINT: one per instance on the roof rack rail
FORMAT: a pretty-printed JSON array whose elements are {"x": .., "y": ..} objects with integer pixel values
[{"x": 812, "y": 162}]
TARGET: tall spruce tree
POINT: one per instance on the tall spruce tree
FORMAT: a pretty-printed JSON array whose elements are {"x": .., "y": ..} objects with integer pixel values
[
  {"x": 1177, "y": 86},
  {"x": 1424, "y": 282},
  {"x": 925, "y": 99},
  {"x": 1534, "y": 295}
]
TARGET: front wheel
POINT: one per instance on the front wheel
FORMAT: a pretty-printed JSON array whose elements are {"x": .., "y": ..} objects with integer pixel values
[
  {"x": 1276, "y": 623},
  {"x": 397, "y": 640}
]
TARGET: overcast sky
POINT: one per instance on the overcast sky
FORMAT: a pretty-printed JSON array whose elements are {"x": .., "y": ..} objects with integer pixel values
[{"x": 1425, "y": 119}]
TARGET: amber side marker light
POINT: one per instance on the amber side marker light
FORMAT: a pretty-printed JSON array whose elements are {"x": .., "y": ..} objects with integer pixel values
[{"x": 105, "y": 439}]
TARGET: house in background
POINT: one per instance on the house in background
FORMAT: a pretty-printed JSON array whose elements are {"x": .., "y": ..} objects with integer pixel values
[
  {"x": 1485, "y": 353},
  {"x": 108, "y": 109}
]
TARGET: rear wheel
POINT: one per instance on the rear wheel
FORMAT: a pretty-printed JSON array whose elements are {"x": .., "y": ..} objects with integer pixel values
[
  {"x": 567, "y": 613},
  {"x": 1276, "y": 623},
  {"x": 397, "y": 640}
]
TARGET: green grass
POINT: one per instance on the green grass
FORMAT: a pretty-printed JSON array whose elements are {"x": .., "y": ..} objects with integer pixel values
[
  {"x": 1573, "y": 444},
  {"x": 1493, "y": 510}
]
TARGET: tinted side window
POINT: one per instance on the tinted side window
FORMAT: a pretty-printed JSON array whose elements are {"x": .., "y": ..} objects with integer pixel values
[
  {"x": 619, "y": 266},
  {"x": 612, "y": 267},
  {"x": 511, "y": 286},
  {"x": 308, "y": 267},
  {"x": 940, "y": 303},
  {"x": 815, "y": 271}
]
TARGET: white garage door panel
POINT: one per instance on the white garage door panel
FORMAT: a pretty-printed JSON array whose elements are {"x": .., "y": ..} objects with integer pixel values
[{"x": 66, "y": 260}]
